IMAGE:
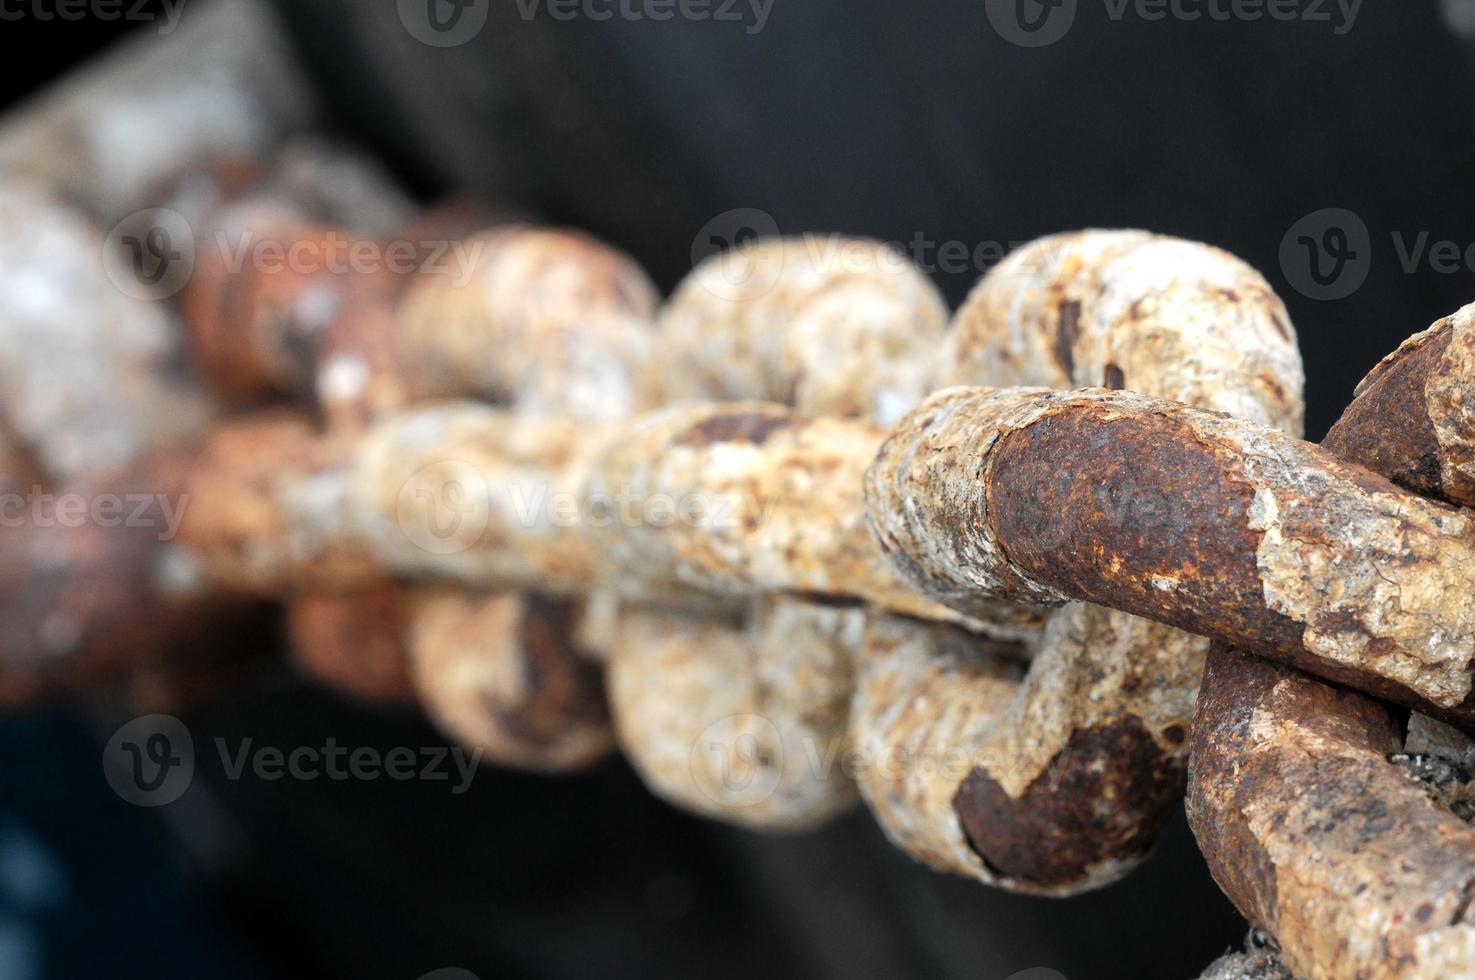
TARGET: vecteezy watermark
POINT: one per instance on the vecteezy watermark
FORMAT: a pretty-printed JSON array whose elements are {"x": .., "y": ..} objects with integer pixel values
[
  {"x": 1031, "y": 23},
  {"x": 41, "y": 508},
  {"x": 444, "y": 23},
  {"x": 741, "y": 253},
  {"x": 152, "y": 254},
  {"x": 447, "y": 507},
  {"x": 1328, "y": 254},
  {"x": 451, "y": 23},
  {"x": 732, "y": 237},
  {"x": 339, "y": 763},
  {"x": 1039, "y": 23},
  {"x": 133, "y": 11},
  {"x": 752, "y": 15},
  {"x": 151, "y": 762},
  {"x": 336, "y": 253}
]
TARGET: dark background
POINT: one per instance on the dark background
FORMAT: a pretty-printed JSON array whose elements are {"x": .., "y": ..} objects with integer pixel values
[{"x": 879, "y": 118}]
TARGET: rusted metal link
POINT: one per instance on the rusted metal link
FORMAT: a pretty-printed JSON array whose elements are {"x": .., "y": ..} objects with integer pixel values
[
  {"x": 769, "y": 501},
  {"x": 742, "y": 715},
  {"x": 551, "y": 323},
  {"x": 1316, "y": 836},
  {"x": 826, "y": 324},
  {"x": 1214, "y": 525},
  {"x": 1414, "y": 415},
  {"x": 1136, "y": 311},
  {"x": 506, "y": 675},
  {"x": 740, "y": 721},
  {"x": 1061, "y": 782},
  {"x": 1356, "y": 867},
  {"x": 356, "y": 643},
  {"x": 576, "y": 312}
]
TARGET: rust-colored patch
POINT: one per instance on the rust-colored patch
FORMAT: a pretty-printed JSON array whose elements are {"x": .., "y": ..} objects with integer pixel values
[
  {"x": 563, "y": 688},
  {"x": 1107, "y": 508},
  {"x": 1067, "y": 333},
  {"x": 1276, "y": 389},
  {"x": 1103, "y": 798},
  {"x": 1387, "y": 428},
  {"x": 1240, "y": 866},
  {"x": 354, "y": 643},
  {"x": 749, "y": 427}
]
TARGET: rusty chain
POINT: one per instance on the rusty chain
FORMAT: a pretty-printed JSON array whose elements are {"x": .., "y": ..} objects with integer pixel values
[{"x": 788, "y": 516}]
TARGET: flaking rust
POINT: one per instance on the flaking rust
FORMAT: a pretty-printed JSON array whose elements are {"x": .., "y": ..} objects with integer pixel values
[
  {"x": 1077, "y": 771},
  {"x": 1357, "y": 867},
  {"x": 1317, "y": 837},
  {"x": 776, "y": 320},
  {"x": 754, "y": 498},
  {"x": 1414, "y": 414},
  {"x": 926, "y": 698},
  {"x": 1214, "y": 525},
  {"x": 1135, "y": 311}
]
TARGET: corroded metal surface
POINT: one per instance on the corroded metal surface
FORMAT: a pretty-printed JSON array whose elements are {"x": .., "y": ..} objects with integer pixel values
[
  {"x": 1214, "y": 525},
  {"x": 826, "y": 324},
  {"x": 1357, "y": 866},
  {"x": 503, "y": 674},
  {"x": 1130, "y": 310},
  {"x": 1414, "y": 413},
  {"x": 1097, "y": 736},
  {"x": 745, "y": 723},
  {"x": 787, "y": 667},
  {"x": 751, "y": 498},
  {"x": 553, "y": 323},
  {"x": 1317, "y": 837}
]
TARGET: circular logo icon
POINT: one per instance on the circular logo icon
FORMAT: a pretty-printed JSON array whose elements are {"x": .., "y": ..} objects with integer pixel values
[
  {"x": 444, "y": 508},
  {"x": 1327, "y": 254},
  {"x": 1031, "y": 23},
  {"x": 150, "y": 761},
  {"x": 444, "y": 23},
  {"x": 750, "y": 254},
  {"x": 738, "y": 761},
  {"x": 450, "y": 973},
  {"x": 1037, "y": 973},
  {"x": 150, "y": 254}
]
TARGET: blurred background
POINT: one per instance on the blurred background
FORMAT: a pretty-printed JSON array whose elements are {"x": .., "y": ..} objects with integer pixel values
[{"x": 922, "y": 123}]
